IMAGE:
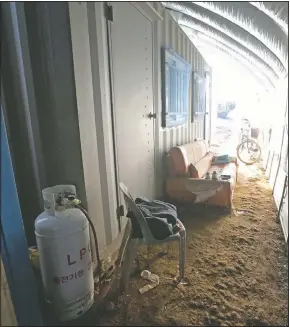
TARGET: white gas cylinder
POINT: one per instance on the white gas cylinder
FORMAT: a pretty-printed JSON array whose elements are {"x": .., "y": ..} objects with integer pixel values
[{"x": 63, "y": 242}]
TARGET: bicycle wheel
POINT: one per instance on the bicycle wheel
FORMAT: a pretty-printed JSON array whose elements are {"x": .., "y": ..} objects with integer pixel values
[{"x": 249, "y": 152}]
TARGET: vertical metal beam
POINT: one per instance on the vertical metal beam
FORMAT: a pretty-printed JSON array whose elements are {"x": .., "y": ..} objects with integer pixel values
[
  {"x": 20, "y": 110},
  {"x": 282, "y": 198},
  {"x": 268, "y": 157},
  {"x": 281, "y": 149},
  {"x": 108, "y": 5},
  {"x": 14, "y": 248},
  {"x": 280, "y": 157},
  {"x": 271, "y": 164},
  {"x": 15, "y": 24}
]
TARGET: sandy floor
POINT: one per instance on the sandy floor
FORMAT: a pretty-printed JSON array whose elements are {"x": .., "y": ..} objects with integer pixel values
[
  {"x": 226, "y": 136},
  {"x": 236, "y": 266}
]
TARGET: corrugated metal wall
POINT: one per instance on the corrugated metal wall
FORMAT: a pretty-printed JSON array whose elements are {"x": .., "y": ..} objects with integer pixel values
[
  {"x": 91, "y": 164},
  {"x": 168, "y": 33},
  {"x": 275, "y": 151},
  {"x": 171, "y": 35}
]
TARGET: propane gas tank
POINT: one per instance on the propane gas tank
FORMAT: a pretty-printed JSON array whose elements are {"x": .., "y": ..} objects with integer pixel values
[{"x": 63, "y": 242}]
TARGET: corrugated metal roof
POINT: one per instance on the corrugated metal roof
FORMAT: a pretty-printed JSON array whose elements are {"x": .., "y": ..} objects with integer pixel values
[{"x": 253, "y": 33}]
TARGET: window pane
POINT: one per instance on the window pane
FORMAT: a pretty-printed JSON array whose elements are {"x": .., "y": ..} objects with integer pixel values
[
  {"x": 176, "y": 79},
  {"x": 167, "y": 81}
]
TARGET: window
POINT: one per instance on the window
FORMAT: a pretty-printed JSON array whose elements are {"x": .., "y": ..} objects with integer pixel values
[
  {"x": 198, "y": 95},
  {"x": 175, "y": 88}
]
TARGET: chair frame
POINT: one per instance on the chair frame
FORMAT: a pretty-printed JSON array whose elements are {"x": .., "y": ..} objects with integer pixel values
[{"x": 149, "y": 239}]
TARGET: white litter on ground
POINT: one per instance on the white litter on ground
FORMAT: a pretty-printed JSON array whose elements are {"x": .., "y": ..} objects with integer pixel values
[{"x": 154, "y": 279}]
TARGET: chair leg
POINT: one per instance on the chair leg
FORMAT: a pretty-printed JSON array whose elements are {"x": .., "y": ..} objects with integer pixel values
[
  {"x": 147, "y": 264},
  {"x": 165, "y": 250},
  {"x": 182, "y": 250},
  {"x": 128, "y": 264}
]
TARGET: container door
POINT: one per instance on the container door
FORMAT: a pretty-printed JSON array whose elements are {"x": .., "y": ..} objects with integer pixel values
[{"x": 131, "y": 70}]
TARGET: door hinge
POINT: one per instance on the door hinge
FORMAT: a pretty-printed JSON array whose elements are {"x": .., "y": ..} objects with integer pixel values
[
  {"x": 109, "y": 13},
  {"x": 120, "y": 211}
]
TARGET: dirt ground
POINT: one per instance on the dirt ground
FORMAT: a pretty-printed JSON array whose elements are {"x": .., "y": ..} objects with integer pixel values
[
  {"x": 223, "y": 131},
  {"x": 236, "y": 265}
]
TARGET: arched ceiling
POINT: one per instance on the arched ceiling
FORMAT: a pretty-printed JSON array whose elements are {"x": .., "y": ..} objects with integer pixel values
[{"x": 255, "y": 34}]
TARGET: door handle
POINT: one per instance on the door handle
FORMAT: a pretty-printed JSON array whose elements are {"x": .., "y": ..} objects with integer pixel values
[{"x": 152, "y": 115}]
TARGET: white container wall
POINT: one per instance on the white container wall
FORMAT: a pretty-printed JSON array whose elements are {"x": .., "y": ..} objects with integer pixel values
[
  {"x": 92, "y": 77},
  {"x": 168, "y": 33},
  {"x": 90, "y": 60},
  {"x": 76, "y": 91}
]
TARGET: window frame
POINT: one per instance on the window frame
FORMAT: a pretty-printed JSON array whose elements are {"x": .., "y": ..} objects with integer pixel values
[
  {"x": 172, "y": 64},
  {"x": 198, "y": 96}
]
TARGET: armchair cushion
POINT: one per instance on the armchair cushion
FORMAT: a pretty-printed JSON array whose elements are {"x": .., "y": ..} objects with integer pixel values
[
  {"x": 192, "y": 171},
  {"x": 204, "y": 164},
  {"x": 183, "y": 190}
]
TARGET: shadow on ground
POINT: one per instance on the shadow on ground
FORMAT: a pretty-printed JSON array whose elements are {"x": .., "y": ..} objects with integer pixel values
[{"x": 236, "y": 265}]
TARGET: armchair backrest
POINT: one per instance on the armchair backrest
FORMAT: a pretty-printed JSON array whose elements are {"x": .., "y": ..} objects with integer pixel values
[{"x": 180, "y": 157}]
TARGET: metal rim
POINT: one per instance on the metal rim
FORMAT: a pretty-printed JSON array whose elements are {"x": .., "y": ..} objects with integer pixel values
[{"x": 242, "y": 145}]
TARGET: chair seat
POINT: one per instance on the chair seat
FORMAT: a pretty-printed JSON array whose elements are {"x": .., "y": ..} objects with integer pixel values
[{"x": 171, "y": 238}]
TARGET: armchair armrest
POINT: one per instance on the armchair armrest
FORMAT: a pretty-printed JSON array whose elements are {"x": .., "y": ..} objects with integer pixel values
[
  {"x": 204, "y": 189},
  {"x": 195, "y": 190}
]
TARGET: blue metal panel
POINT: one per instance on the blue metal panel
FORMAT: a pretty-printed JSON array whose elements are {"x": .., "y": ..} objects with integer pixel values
[{"x": 14, "y": 248}]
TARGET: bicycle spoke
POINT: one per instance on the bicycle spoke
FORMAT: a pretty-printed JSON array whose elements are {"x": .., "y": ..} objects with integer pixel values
[{"x": 249, "y": 151}]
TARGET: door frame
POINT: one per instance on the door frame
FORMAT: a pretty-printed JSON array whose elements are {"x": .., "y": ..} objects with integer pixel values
[
  {"x": 120, "y": 211},
  {"x": 147, "y": 10}
]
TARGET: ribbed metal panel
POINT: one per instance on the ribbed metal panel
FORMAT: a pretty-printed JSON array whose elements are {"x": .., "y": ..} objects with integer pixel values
[
  {"x": 168, "y": 33},
  {"x": 171, "y": 35}
]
